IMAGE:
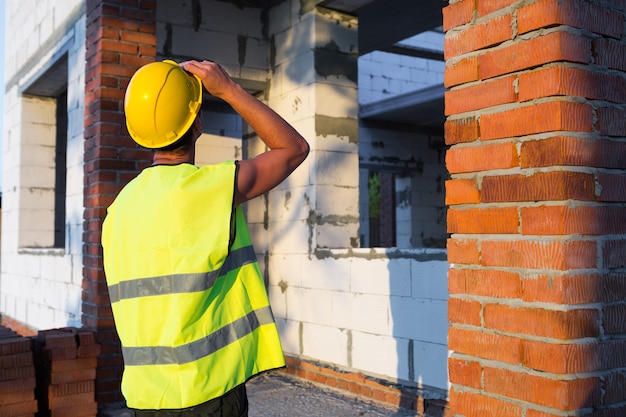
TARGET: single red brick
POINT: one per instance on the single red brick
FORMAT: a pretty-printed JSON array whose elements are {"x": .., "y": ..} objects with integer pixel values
[
  {"x": 13, "y": 345},
  {"x": 457, "y": 14},
  {"x": 566, "y": 150},
  {"x": 21, "y": 372},
  {"x": 377, "y": 394},
  {"x": 481, "y": 344},
  {"x": 609, "y": 54},
  {"x": 459, "y": 71},
  {"x": 115, "y": 22},
  {"x": 89, "y": 351},
  {"x": 482, "y": 158},
  {"x": 569, "y": 81},
  {"x": 465, "y": 372},
  {"x": 614, "y": 319},
  {"x": 611, "y": 121},
  {"x": 524, "y": 54},
  {"x": 462, "y": 311},
  {"x": 615, "y": 387},
  {"x": 478, "y": 36},
  {"x": 72, "y": 400},
  {"x": 72, "y": 376},
  {"x": 484, "y": 282},
  {"x": 60, "y": 353},
  {"x": 19, "y": 409},
  {"x": 569, "y": 288},
  {"x": 147, "y": 50},
  {"x": 16, "y": 397},
  {"x": 461, "y": 130},
  {"x": 71, "y": 388},
  {"x": 463, "y": 251},
  {"x": 562, "y": 358},
  {"x": 548, "y": 13},
  {"x": 558, "y": 255},
  {"x": 537, "y": 118},
  {"x": 614, "y": 253},
  {"x": 471, "y": 404},
  {"x": 480, "y": 96},
  {"x": 16, "y": 360},
  {"x": 542, "y": 186},
  {"x": 565, "y": 220},
  {"x": 613, "y": 354},
  {"x": 560, "y": 394},
  {"x": 462, "y": 191},
  {"x": 489, "y": 220},
  {"x": 17, "y": 385},
  {"x": 571, "y": 324},
  {"x": 115, "y": 46},
  {"x": 137, "y": 37}
]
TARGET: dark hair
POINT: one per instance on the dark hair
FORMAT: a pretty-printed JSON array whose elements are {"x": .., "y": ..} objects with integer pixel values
[
  {"x": 182, "y": 145},
  {"x": 185, "y": 143}
]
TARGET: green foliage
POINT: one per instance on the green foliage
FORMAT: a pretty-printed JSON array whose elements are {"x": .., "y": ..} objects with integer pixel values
[{"x": 374, "y": 192}]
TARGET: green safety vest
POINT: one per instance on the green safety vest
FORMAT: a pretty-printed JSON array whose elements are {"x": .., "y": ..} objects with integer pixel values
[{"x": 188, "y": 298}]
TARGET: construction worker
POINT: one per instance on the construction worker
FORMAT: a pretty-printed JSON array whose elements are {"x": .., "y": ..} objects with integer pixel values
[{"x": 188, "y": 298}]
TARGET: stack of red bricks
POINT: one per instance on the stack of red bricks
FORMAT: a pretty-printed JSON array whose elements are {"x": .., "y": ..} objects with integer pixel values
[
  {"x": 66, "y": 364},
  {"x": 17, "y": 375}
]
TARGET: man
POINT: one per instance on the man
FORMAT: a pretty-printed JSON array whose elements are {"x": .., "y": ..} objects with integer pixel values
[{"x": 187, "y": 294}]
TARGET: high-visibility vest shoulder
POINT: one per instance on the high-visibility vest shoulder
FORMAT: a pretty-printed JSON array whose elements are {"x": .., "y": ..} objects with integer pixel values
[{"x": 188, "y": 298}]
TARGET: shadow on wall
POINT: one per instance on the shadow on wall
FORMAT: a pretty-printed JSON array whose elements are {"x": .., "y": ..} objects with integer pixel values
[{"x": 419, "y": 316}]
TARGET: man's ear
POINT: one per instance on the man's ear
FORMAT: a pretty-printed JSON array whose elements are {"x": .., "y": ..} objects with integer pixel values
[{"x": 197, "y": 126}]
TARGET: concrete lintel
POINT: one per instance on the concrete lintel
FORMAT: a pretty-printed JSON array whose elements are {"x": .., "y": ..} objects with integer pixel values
[{"x": 421, "y": 107}]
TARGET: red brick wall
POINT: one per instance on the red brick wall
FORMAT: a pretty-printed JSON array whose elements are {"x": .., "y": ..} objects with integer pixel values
[
  {"x": 121, "y": 36},
  {"x": 536, "y": 128}
]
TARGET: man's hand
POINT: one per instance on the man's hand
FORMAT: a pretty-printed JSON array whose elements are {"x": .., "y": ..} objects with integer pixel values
[
  {"x": 287, "y": 147},
  {"x": 213, "y": 77}
]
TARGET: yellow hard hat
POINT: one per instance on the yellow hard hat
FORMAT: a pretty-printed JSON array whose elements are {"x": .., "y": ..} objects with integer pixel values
[{"x": 161, "y": 103}]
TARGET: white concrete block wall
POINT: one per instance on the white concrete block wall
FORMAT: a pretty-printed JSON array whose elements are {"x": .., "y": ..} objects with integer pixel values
[
  {"x": 41, "y": 287},
  {"x": 381, "y": 355},
  {"x": 383, "y": 75},
  {"x": 325, "y": 343},
  {"x": 382, "y": 312},
  {"x": 240, "y": 48}
]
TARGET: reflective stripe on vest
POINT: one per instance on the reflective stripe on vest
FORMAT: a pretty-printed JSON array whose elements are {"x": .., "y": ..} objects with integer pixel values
[
  {"x": 179, "y": 283},
  {"x": 167, "y": 355}
]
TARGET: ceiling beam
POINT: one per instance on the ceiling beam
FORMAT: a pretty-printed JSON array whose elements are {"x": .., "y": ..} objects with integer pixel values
[
  {"x": 383, "y": 23},
  {"x": 414, "y": 51}
]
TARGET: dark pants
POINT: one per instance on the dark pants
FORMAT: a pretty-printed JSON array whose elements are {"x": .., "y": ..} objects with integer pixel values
[{"x": 232, "y": 404}]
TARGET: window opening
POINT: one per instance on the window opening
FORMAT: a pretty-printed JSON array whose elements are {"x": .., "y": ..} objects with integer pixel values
[
  {"x": 382, "y": 209},
  {"x": 60, "y": 164}
]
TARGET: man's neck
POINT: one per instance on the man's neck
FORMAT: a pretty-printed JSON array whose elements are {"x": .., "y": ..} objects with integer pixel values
[{"x": 166, "y": 158}]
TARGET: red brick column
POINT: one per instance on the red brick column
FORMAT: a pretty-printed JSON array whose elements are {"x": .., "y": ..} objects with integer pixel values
[
  {"x": 121, "y": 36},
  {"x": 536, "y": 123}
]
